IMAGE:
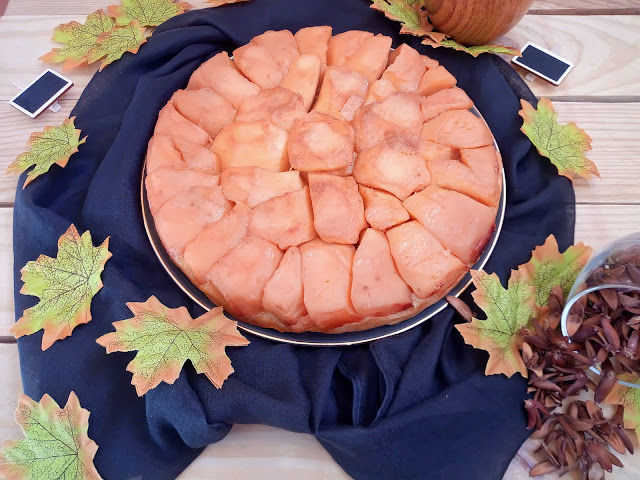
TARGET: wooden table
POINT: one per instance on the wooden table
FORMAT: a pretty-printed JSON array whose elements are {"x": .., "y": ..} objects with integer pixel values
[{"x": 602, "y": 94}]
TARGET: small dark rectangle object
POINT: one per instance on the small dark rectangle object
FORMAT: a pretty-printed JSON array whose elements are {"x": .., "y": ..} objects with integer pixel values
[
  {"x": 543, "y": 63},
  {"x": 41, "y": 93}
]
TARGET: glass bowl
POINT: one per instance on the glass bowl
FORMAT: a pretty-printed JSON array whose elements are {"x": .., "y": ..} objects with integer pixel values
[{"x": 615, "y": 267}]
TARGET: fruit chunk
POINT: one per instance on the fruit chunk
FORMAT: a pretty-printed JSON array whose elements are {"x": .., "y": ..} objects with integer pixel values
[
  {"x": 283, "y": 294},
  {"x": 432, "y": 151},
  {"x": 379, "y": 90},
  {"x": 423, "y": 263},
  {"x": 391, "y": 170},
  {"x": 252, "y": 144},
  {"x": 254, "y": 185},
  {"x": 320, "y": 141},
  {"x": 405, "y": 69},
  {"x": 435, "y": 80},
  {"x": 276, "y": 105},
  {"x": 476, "y": 175},
  {"x": 181, "y": 218},
  {"x": 377, "y": 288},
  {"x": 196, "y": 157},
  {"x": 281, "y": 45},
  {"x": 174, "y": 125},
  {"x": 461, "y": 224},
  {"x": 215, "y": 241},
  {"x": 370, "y": 58},
  {"x": 342, "y": 92},
  {"x": 205, "y": 108},
  {"x": 326, "y": 279},
  {"x": 314, "y": 40},
  {"x": 162, "y": 153},
  {"x": 345, "y": 44},
  {"x": 221, "y": 74},
  {"x": 241, "y": 275},
  {"x": 457, "y": 128},
  {"x": 303, "y": 77},
  {"x": 164, "y": 183},
  {"x": 396, "y": 121},
  {"x": 429, "y": 62},
  {"x": 381, "y": 209},
  {"x": 444, "y": 100},
  {"x": 258, "y": 65},
  {"x": 286, "y": 220},
  {"x": 338, "y": 209}
]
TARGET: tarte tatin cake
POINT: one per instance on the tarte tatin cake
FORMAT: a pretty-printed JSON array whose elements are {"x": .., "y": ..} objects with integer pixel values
[{"x": 323, "y": 183}]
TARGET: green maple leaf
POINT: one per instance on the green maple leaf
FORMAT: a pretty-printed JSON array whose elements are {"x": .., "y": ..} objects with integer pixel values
[
  {"x": 629, "y": 398},
  {"x": 56, "y": 444},
  {"x": 166, "y": 338},
  {"x": 65, "y": 285},
  {"x": 52, "y": 145},
  {"x": 564, "y": 145},
  {"x": 78, "y": 39},
  {"x": 508, "y": 311},
  {"x": 410, "y": 13},
  {"x": 548, "y": 268},
  {"x": 443, "y": 41},
  {"x": 148, "y": 13},
  {"x": 113, "y": 44}
]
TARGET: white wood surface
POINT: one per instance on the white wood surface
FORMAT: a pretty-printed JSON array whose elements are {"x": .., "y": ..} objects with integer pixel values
[{"x": 601, "y": 95}]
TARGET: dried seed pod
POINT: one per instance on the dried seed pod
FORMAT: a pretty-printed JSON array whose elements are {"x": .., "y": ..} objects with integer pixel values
[
  {"x": 616, "y": 443},
  {"x": 584, "y": 332},
  {"x": 548, "y": 425},
  {"x": 574, "y": 322},
  {"x": 607, "y": 381},
  {"x": 461, "y": 307},
  {"x": 610, "y": 296},
  {"x": 628, "y": 444},
  {"x": 610, "y": 333},
  {"x": 557, "y": 339},
  {"x": 595, "y": 412},
  {"x": 550, "y": 455},
  {"x": 534, "y": 340},
  {"x": 628, "y": 301},
  {"x": 527, "y": 352},
  {"x": 542, "y": 469}
]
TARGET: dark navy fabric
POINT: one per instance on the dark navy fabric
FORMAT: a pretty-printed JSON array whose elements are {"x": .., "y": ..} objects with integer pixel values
[{"x": 413, "y": 406}]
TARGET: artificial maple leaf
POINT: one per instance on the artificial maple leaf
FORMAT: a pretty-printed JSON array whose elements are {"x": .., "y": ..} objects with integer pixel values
[
  {"x": 443, "y": 41},
  {"x": 52, "y": 145},
  {"x": 629, "y": 398},
  {"x": 548, "y": 268},
  {"x": 166, "y": 338},
  {"x": 65, "y": 285},
  {"x": 115, "y": 43},
  {"x": 219, "y": 3},
  {"x": 78, "y": 39},
  {"x": 508, "y": 311},
  {"x": 564, "y": 145},
  {"x": 410, "y": 13},
  {"x": 56, "y": 444},
  {"x": 149, "y": 13}
]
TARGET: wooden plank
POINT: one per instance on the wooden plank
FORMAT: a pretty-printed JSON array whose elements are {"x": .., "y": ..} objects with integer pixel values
[
  {"x": 604, "y": 49},
  {"x": 596, "y": 225},
  {"x": 10, "y": 390},
  {"x": 73, "y": 7},
  {"x": 68, "y": 7},
  {"x": 7, "y": 315},
  {"x": 613, "y": 127},
  {"x": 584, "y": 7}
]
